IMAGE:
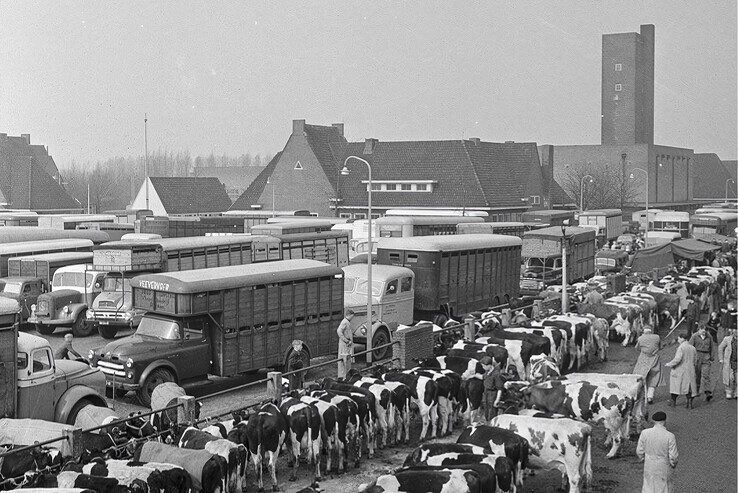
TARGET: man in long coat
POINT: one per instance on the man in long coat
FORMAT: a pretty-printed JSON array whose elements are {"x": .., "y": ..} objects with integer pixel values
[
  {"x": 648, "y": 364},
  {"x": 345, "y": 343},
  {"x": 727, "y": 357},
  {"x": 657, "y": 449},
  {"x": 682, "y": 380},
  {"x": 703, "y": 344}
]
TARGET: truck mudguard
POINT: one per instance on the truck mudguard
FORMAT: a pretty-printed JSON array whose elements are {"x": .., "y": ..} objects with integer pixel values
[
  {"x": 71, "y": 397},
  {"x": 75, "y": 309},
  {"x": 160, "y": 363}
]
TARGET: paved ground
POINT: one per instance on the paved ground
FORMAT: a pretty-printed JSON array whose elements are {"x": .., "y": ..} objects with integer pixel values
[{"x": 706, "y": 437}]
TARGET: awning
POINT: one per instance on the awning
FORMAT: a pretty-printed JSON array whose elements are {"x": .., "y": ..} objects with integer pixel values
[
  {"x": 692, "y": 249},
  {"x": 666, "y": 254}
]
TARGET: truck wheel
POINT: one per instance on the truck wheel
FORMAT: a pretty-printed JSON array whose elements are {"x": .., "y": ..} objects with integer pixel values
[
  {"x": 107, "y": 332},
  {"x": 156, "y": 377},
  {"x": 380, "y": 338},
  {"x": 76, "y": 409},
  {"x": 45, "y": 330},
  {"x": 81, "y": 328}
]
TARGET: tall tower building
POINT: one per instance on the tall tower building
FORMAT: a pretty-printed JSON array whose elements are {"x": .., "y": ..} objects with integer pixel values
[{"x": 627, "y": 87}]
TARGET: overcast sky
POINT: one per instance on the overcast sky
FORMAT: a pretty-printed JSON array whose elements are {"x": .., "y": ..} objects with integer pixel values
[{"x": 230, "y": 76}]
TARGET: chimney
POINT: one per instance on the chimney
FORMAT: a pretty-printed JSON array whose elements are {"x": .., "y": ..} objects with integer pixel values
[
  {"x": 298, "y": 127},
  {"x": 338, "y": 127},
  {"x": 475, "y": 140},
  {"x": 27, "y": 138},
  {"x": 369, "y": 145}
]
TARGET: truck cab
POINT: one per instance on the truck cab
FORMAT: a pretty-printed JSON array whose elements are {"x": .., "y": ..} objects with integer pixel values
[
  {"x": 47, "y": 389},
  {"x": 538, "y": 273},
  {"x": 24, "y": 290},
  {"x": 73, "y": 290},
  {"x": 113, "y": 309},
  {"x": 393, "y": 297}
]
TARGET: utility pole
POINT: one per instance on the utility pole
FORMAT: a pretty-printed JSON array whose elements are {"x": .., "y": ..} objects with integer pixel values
[
  {"x": 146, "y": 159},
  {"x": 30, "y": 165}
]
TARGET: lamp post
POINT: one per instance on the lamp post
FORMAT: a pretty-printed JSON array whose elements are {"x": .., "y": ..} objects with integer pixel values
[
  {"x": 726, "y": 187},
  {"x": 369, "y": 327},
  {"x": 632, "y": 176},
  {"x": 581, "y": 191}
]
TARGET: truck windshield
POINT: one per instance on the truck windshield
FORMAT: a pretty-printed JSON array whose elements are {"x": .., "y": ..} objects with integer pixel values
[
  {"x": 349, "y": 283},
  {"x": 377, "y": 287},
  {"x": 76, "y": 279},
  {"x": 115, "y": 283},
  {"x": 156, "y": 327},
  {"x": 10, "y": 287}
]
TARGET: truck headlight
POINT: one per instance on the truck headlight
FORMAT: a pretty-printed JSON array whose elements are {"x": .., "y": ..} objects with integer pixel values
[
  {"x": 90, "y": 314},
  {"x": 540, "y": 285},
  {"x": 33, "y": 307},
  {"x": 65, "y": 310},
  {"x": 362, "y": 330},
  {"x": 129, "y": 363},
  {"x": 91, "y": 354},
  {"x": 129, "y": 375}
]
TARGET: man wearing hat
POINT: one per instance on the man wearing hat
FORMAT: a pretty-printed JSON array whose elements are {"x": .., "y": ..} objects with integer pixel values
[
  {"x": 657, "y": 449},
  {"x": 705, "y": 348},
  {"x": 648, "y": 365},
  {"x": 682, "y": 379}
]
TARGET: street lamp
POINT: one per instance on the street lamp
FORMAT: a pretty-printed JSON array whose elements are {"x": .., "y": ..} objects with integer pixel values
[
  {"x": 369, "y": 327},
  {"x": 581, "y": 191},
  {"x": 726, "y": 187},
  {"x": 632, "y": 176}
]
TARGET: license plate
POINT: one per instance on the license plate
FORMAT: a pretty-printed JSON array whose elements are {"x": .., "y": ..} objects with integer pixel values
[{"x": 103, "y": 322}]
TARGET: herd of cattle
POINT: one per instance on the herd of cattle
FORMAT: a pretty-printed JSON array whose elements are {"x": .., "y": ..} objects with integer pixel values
[{"x": 545, "y": 421}]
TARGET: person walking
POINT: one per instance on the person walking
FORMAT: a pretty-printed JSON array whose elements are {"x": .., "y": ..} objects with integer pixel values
[
  {"x": 493, "y": 386},
  {"x": 657, "y": 448},
  {"x": 727, "y": 353},
  {"x": 67, "y": 351},
  {"x": 682, "y": 379},
  {"x": 702, "y": 343},
  {"x": 691, "y": 315},
  {"x": 648, "y": 364},
  {"x": 713, "y": 326},
  {"x": 345, "y": 343}
]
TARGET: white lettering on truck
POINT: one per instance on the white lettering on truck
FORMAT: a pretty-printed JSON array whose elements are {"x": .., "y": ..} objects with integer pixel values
[{"x": 159, "y": 286}]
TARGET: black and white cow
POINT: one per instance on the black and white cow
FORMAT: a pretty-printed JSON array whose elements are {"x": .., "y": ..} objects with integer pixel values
[
  {"x": 385, "y": 410},
  {"x": 366, "y": 408},
  {"x": 502, "y": 466},
  {"x": 331, "y": 442},
  {"x": 543, "y": 368},
  {"x": 207, "y": 471},
  {"x": 236, "y": 455},
  {"x": 465, "y": 367},
  {"x": 426, "y": 480},
  {"x": 155, "y": 475},
  {"x": 348, "y": 422},
  {"x": 266, "y": 430},
  {"x": 500, "y": 442},
  {"x": 444, "y": 388},
  {"x": 473, "y": 349},
  {"x": 424, "y": 394},
  {"x": 304, "y": 432}
]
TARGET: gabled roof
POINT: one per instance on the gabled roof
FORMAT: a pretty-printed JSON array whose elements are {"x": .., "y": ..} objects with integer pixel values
[
  {"x": 710, "y": 176},
  {"x": 475, "y": 174},
  {"x": 322, "y": 140},
  {"x": 234, "y": 178},
  {"x": 180, "y": 195},
  {"x": 253, "y": 191}
]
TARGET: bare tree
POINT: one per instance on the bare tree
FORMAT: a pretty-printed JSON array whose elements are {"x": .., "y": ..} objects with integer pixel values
[{"x": 604, "y": 186}]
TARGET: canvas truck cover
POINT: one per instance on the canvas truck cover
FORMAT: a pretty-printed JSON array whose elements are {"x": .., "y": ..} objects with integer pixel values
[
  {"x": 28, "y": 431},
  {"x": 664, "y": 254}
]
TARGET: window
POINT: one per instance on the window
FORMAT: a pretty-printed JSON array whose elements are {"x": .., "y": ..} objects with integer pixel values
[
  {"x": 298, "y": 166},
  {"x": 376, "y": 186},
  {"x": 618, "y": 67},
  {"x": 394, "y": 257},
  {"x": 616, "y": 98},
  {"x": 344, "y": 215},
  {"x": 412, "y": 258},
  {"x": 392, "y": 287},
  {"x": 406, "y": 186},
  {"x": 22, "y": 361},
  {"x": 376, "y": 216},
  {"x": 618, "y": 87},
  {"x": 535, "y": 199},
  {"x": 359, "y": 215},
  {"x": 407, "y": 284},
  {"x": 41, "y": 360},
  {"x": 421, "y": 187}
]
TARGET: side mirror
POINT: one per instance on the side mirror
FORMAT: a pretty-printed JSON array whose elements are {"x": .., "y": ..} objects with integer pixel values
[{"x": 98, "y": 285}]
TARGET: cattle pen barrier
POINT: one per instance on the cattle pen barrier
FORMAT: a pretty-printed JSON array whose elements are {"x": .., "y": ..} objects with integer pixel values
[{"x": 410, "y": 344}]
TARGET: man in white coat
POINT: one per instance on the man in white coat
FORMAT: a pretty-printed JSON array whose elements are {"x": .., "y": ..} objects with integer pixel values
[
  {"x": 657, "y": 449},
  {"x": 682, "y": 379}
]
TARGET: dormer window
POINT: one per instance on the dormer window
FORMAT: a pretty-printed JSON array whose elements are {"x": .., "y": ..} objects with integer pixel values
[{"x": 400, "y": 186}]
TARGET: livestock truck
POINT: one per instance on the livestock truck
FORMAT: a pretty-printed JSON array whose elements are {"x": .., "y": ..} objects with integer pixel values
[
  {"x": 34, "y": 384},
  {"x": 542, "y": 256}
]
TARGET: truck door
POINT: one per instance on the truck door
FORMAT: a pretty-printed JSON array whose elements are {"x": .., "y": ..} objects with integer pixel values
[
  {"x": 36, "y": 385},
  {"x": 195, "y": 353}
]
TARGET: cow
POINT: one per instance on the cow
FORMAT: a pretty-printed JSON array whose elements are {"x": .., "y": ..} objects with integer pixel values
[
  {"x": 580, "y": 337},
  {"x": 37, "y": 459},
  {"x": 539, "y": 344},
  {"x": 500, "y": 442},
  {"x": 329, "y": 422},
  {"x": 444, "y": 388},
  {"x": 459, "y": 402},
  {"x": 163, "y": 396},
  {"x": 234, "y": 454},
  {"x": 502, "y": 466},
  {"x": 585, "y": 402},
  {"x": 266, "y": 430},
  {"x": 366, "y": 407},
  {"x": 400, "y": 395},
  {"x": 519, "y": 352},
  {"x": 426, "y": 480},
  {"x": 73, "y": 479},
  {"x": 465, "y": 367},
  {"x": 348, "y": 421},
  {"x": 304, "y": 432},
  {"x": 563, "y": 444},
  {"x": 208, "y": 471},
  {"x": 632, "y": 384},
  {"x": 495, "y": 351},
  {"x": 156, "y": 476},
  {"x": 385, "y": 410},
  {"x": 474, "y": 391},
  {"x": 553, "y": 335},
  {"x": 424, "y": 394},
  {"x": 543, "y": 368}
]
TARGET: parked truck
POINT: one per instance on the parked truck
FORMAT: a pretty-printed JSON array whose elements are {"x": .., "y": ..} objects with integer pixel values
[
  {"x": 29, "y": 277},
  {"x": 34, "y": 384},
  {"x": 542, "y": 256},
  {"x": 224, "y": 321},
  {"x": 608, "y": 223},
  {"x": 73, "y": 290}
]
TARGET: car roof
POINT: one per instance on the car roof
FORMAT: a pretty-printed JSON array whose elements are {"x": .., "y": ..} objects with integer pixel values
[
  {"x": 448, "y": 243},
  {"x": 29, "y": 342}
]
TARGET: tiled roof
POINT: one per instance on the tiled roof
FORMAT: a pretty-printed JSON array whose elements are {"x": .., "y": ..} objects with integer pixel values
[
  {"x": 558, "y": 196},
  {"x": 322, "y": 140},
  {"x": 465, "y": 173},
  {"x": 236, "y": 179},
  {"x": 181, "y": 195},
  {"x": 21, "y": 163},
  {"x": 253, "y": 192},
  {"x": 710, "y": 175}
]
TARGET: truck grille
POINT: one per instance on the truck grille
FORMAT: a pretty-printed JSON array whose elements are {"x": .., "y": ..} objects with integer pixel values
[
  {"x": 529, "y": 284},
  {"x": 108, "y": 304},
  {"x": 108, "y": 315},
  {"x": 42, "y": 307},
  {"x": 111, "y": 368}
]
